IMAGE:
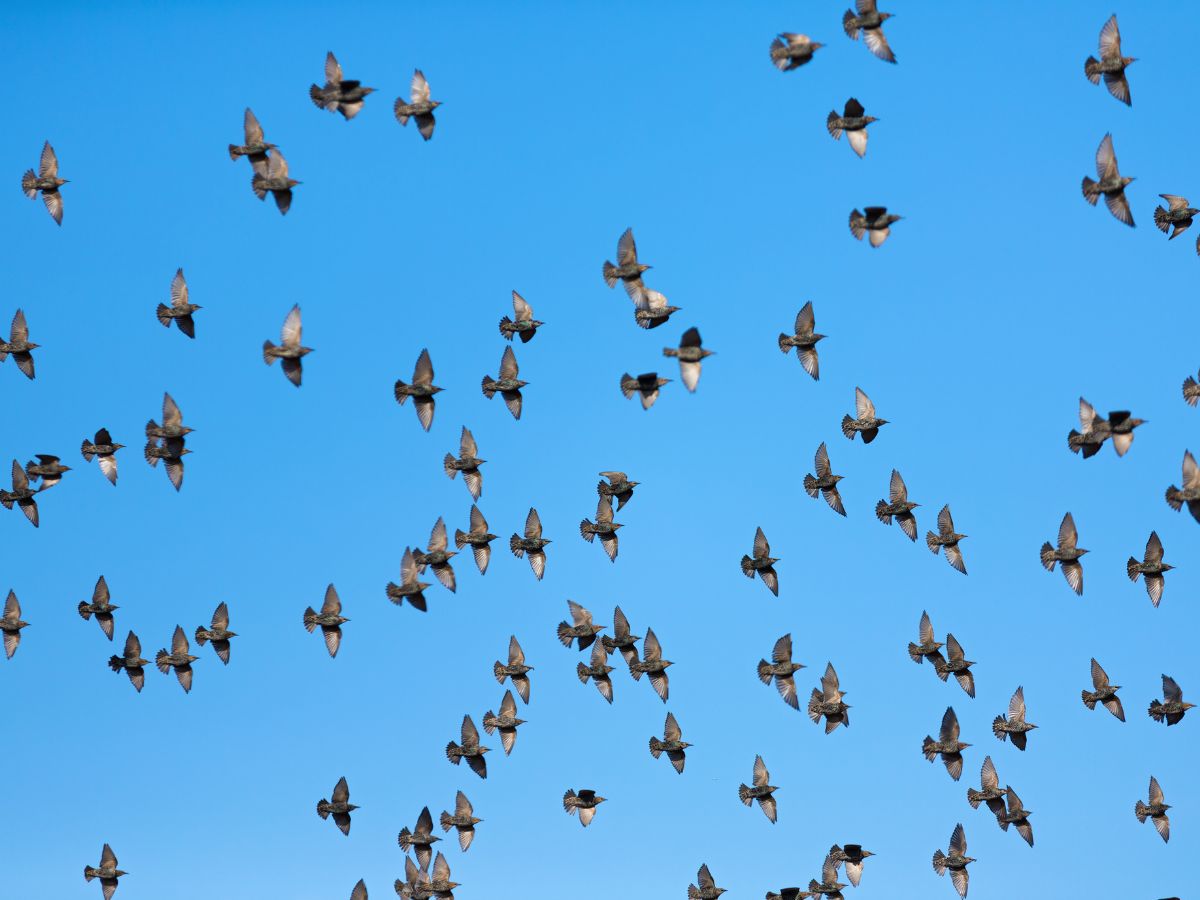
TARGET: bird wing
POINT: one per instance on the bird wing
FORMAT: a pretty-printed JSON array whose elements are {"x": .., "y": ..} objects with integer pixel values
[
  {"x": 516, "y": 656},
  {"x": 333, "y": 603},
  {"x": 437, "y": 536},
  {"x": 179, "y": 289},
  {"x": 508, "y": 364},
  {"x": 988, "y": 779},
  {"x": 419, "y": 89},
  {"x": 333, "y": 69},
  {"x": 626, "y": 249},
  {"x": 761, "y": 547},
  {"x": 522, "y": 309},
  {"x": 1016, "y": 706},
  {"x": 341, "y": 791},
  {"x": 877, "y": 43},
  {"x": 508, "y": 706},
  {"x": 423, "y": 371},
  {"x": 1191, "y": 472},
  {"x": 290, "y": 334},
  {"x": 651, "y": 649},
  {"x": 783, "y": 650},
  {"x": 1106, "y": 159},
  {"x": 949, "y": 730},
  {"x": 805, "y": 321},
  {"x": 863, "y": 405},
  {"x": 1110, "y": 39},
  {"x": 220, "y": 619},
  {"x": 578, "y": 614},
  {"x": 1154, "y": 548},
  {"x": 953, "y": 648},
  {"x": 761, "y": 775},
  {"x": 253, "y": 131},
  {"x": 1067, "y": 533},
  {"x": 1171, "y": 690},
  {"x": 898, "y": 490},
  {"x": 533, "y": 525},
  {"x": 48, "y": 165},
  {"x": 179, "y": 642},
  {"x": 470, "y": 734},
  {"x": 1156, "y": 794},
  {"x": 945, "y": 522},
  {"x": 671, "y": 730}
]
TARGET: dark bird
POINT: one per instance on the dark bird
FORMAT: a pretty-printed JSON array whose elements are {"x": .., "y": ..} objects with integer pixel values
[
  {"x": 651, "y": 309},
  {"x": 852, "y": 856},
  {"x": 1068, "y": 553},
  {"x": 604, "y": 527},
  {"x": 340, "y": 94},
  {"x": 522, "y": 323},
  {"x": 853, "y": 121},
  {"x": 875, "y": 222},
  {"x": 1111, "y": 184},
  {"x": 1152, "y": 566},
  {"x": 928, "y": 646},
  {"x": 647, "y": 385},
  {"x": 1176, "y": 218},
  {"x": 532, "y": 545},
  {"x": 180, "y": 659},
  {"x": 804, "y": 340},
  {"x": 828, "y": 702},
  {"x": 782, "y": 670},
  {"x": 440, "y": 883},
  {"x": 103, "y": 448},
  {"x": 991, "y": 793},
  {"x": 1017, "y": 815},
  {"x": 790, "y": 50},
  {"x": 584, "y": 631},
  {"x": 1111, "y": 63},
  {"x": 689, "y": 353},
  {"x": 289, "y": 351},
  {"x": 506, "y": 722},
  {"x": 131, "y": 662},
  {"x": 11, "y": 624},
  {"x": 828, "y": 886},
  {"x": 410, "y": 587},
  {"x": 628, "y": 269},
  {"x": 47, "y": 181},
  {"x": 1013, "y": 725},
  {"x": 21, "y": 494},
  {"x": 19, "y": 346},
  {"x": 672, "y": 744},
  {"x": 255, "y": 147},
  {"x": 869, "y": 21},
  {"x": 421, "y": 390},
  {"x": 898, "y": 506},
  {"x": 653, "y": 665},
  {"x": 956, "y": 861},
  {"x": 947, "y": 745},
  {"x": 463, "y": 820},
  {"x": 585, "y": 801},
  {"x": 107, "y": 872},
  {"x": 100, "y": 607},
  {"x": 865, "y": 422},
  {"x": 618, "y": 485},
  {"x": 419, "y": 107},
  {"x": 420, "y": 839},
  {"x": 955, "y": 664},
  {"x": 1171, "y": 707},
  {"x": 437, "y": 556},
  {"x": 1093, "y": 431},
  {"x": 763, "y": 792},
  {"x": 218, "y": 632},
  {"x": 788, "y": 893},
  {"x": 762, "y": 562},
  {"x": 420, "y": 885},
  {"x": 172, "y": 424},
  {"x": 181, "y": 309},
  {"x": 338, "y": 805},
  {"x": 330, "y": 619},
  {"x": 704, "y": 888},
  {"x": 48, "y": 468},
  {"x": 1190, "y": 494},
  {"x": 171, "y": 453},
  {"x": 598, "y": 671},
  {"x": 508, "y": 385},
  {"x": 516, "y": 669},
  {"x": 274, "y": 179},
  {"x": 471, "y": 750},
  {"x": 948, "y": 538},
  {"x": 478, "y": 537},
  {"x": 622, "y": 638},
  {"x": 825, "y": 482},
  {"x": 1103, "y": 692},
  {"x": 1155, "y": 811}
]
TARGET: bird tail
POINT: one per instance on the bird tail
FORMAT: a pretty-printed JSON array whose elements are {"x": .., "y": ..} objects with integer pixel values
[
  {"x": 507, "y": 335},
  {"x": 401, "y": 396},
  {"x": 514, "y": 544},
  {"x": 6, "y": 503},
  {"x": 454, "y": 753},
  {"x": 931, "y": 540},
  {"x": 747, "y": 569},
  {"x": 310, "y": 617},
  {"x": 882, "y": 514},
  {"x": 84, "y": 610},
  {"x": 810, "y": 486},
  {"x": 656, "y": 747},
  {"x": 814, "y": 705},
  {"x": 314, "y": 93},
  {"x": 857, "y": 226},
  {"x": 116, "y": 663},
  {"x": 1140, "y": 810},
  {"x": 744, "y": 795},
  {"x": 1088, "y": 700},
  {"x": 998, "y": 724},
  {"x": 628, "y": 385},
  {"x": 835, "y": 130},
  {"x": 445, "y": 821},
  {"x": 915, "y": 653},
  {"x": 610, "y": 272},
  {"x": 569, "y": 795},
  {"x": 850, "y": 24},
  {"x": 234, "y": 152},
  {"x": 939, "y": 667},
  {"x": 1048, "y": 556},
  {"x": 939, "y": 862},
  {"x": 29, "y": 184},
  {"x": 585, "y": 529},
  {"x": 564, "y": 634},
  {"x": 163, "y": 318},
  {"x": 583, "y": 672},
  {"x": 448, "y": 466},
  {"x": 1173, "y": 499},
  {"x": 785, "y": 345},
  {"x": 635, "y": 674},
  {"x": 764, "y": 671},
  {"x": 88, "y": 873},
  {"x": 693, "y": 892},
  {"x": 1091, "y": 68},
  {"x": 201, "y": 635},
  {"x": 404, "y": 838},
  {"x": 160, "y": 660},
  {"x": 256, "y": 185},
  {"x": 670, "y": 351},
  {"x": 927, "y": 747},
  {"x": 847, "y": 430},
  {"x": 1189, "y": 391},
  {"x": 323, "y": 809},
  {"x": 498, "y": 671},
  {"x": 1091, "y": 192},
  {"x": 268, "y": 357},
  {"x": 487, "y": 391},
  {"x": 489, "y": 722},
  {"x": 1132, "y": 569},
  {"x": 974, "y": 797},
  {"x": 1074, "y": 440},
  {"x": 151, "y": 427},
  {"x": 1156, "y": 711},
  {"x": 85, "y": 449},
  {"x": 1161, "y": 219},
  {"x": 153, "y": 460}
]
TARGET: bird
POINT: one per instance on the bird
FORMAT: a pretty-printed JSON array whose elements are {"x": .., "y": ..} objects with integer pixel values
[
  {"x": 990, "y": 791},
  {"x": 1190, "y": 494},
  {"x": 422, "y": 390},
  {"x": 1171, "y": 708},
  {"x": 853, "y": 121},
  {"x": 1103, "y": 692},
  {"x": 21, "y": 494},
  {"x": 948, "y": 746},
  {"x": 948, "y": 538},
  {"x": 763, "y": 792},
  {"x": 360, "y": 891},
  {"x": 440, "y": 883},
  {"x": 330, "y": 619},
  {"x": 828, "y": 702},
  {"x": 762, "y": 562},
  {"x": 421, "y": 885},
  {"x": 869, "y": 22},
  {"x": 1068, "y": 553},
  {"x": 651, "y": 309},
  {"x": 705, "y": 887},
  {"x": 171, "y": 453},
  {"x": 420, "y": 838},
  {"x": 865, "y": 422},
  {"x": 46, "y": 181},
  {"x": 1093, "y": 431},
  {"x": 181, "y": 308},
  {"x": 828, "y": 886},
  {"x": 508, "y": 385},
  {"x": 255, "y": 148},
  {"x": 289, "y": 351},
  {"x": 419, "y": 107},
  {"x": 275, "y": 179},
  {"x": 1111, "y": 183},
  {"x": 463, "y": 820},
  {"x": 1017, "y": 815},
  {"x": 522, "y": 323},
  {"x": 103, "y": 448},
  {"x": 1152, "y": 566},
  {"x": 647, "y": 385},
  {"x": 11, "y": 624},
  {"x": 180, "y": 659},
  {"x": 410, "y": 588},
  {"x": 583, "y": 632},
  {"x": 852, "y": 856},
  {"x": 804, "y": 340},
  {"x": 1014, "y": 726},
  {"x": 604, "y": 527},
  {"x": 1176, "y": 218},
  {"x": 782, "y": 670},
  {"x": 19, "y": 346},
  {"x": 506, "y": 722},
  {"x": 653, "y": 665},
  {"x": 790, "y": 50},
  {"x": 478, "y": 537},
  {"x": 873, "y": 221},
  {"x": 130, "y": 662},
  {"x": 471, "y": 750},
  {"x": 532, "y": 545},
  {"x": 107, "y": 872},
  {"x": 672, "y": 744},
  {"x": 1155, "y": 810},
  {"x": 928, "y": 646},
  {"x": 1121, "y": 423},
  {"x": 172, "y": 425},
  {"x": 957, "y": 665},
  {"x": 825, "y": 482},
  {"x": 956, "y": 861},
  {"x": 628, "y": 270},
  {"x": 218, "y": 632},
  {"x": 898, "y": 506},
  {"x": 618, "y": 485},
  {"x": 1111, "y": 63},
  {"x": 48, "y": 468},
  {"x": 689, "y": 353},
  {"x": 585, "y": 801},
  {"x": 437, "y": 556},
  {"x": 622, "y": 638},
  {"x": 100, "y": 607},
  {"x": 339, "y": 806},
  {"x": 598, "y": 671},
  {"x": 515, "y": 669},
  {"x": 340, "y": 95}
]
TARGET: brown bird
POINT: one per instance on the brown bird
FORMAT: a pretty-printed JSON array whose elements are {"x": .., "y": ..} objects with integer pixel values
[
  {"x": 180, "y": 311},
  {"x": 1111, "y": 63},
  {"x": 828, "y": 702},
  {"x": 782, "y": 670},
  {"x": 948, "y": 746},
  {"x": 341, "y": 95},
  {"x": 339, "y": 806},
  {"x": 419, "y": 107},
  {"x": 48, "y": 468},
  {"x": 598, "y": 671},
  {"x": 103, "y": 448},
  {"x": 628, "y": 269},
  {"x": 583, "y": 631},
  {"x": 689, "y": 353},
  {"x": 479, "y": 538},
  {"x": 947, "y": 538},
  {"x": 1103, "y": 692},
  {"x": 653, "y": 665},
  {"x": 672, "y": 744},
  {"x": 1111, "y": 183},
  {"x": 11, "y": 624},
  {"x": 585, "y": 802},
  {"x": 1172, "y": 707},
  {"x": 467, "y": 462},
  {"x": 1155, "y": 810},
  {"x": 875, "y": 222},
  {"x": 651, "y": 309},
  {"x": 618, "y": 485},
  {"x": 522, "y": 323},
  {"x": 853, "y": 121},
  {"x": 804, "y": 340},
  {"x": 420, "y": 838},
  {"x": 422, "y": 390},
  {"x": 21, "y": 494},
  {"x": 1068, "y": 553},
  {"x": 1013, "y": 726},
  {"x": 19, "y": 346},
  {"x": 865, "y": 422},
  {"x": 471, "y": 750},
  {"x": 899, "y": 507},
  {"x": 762, "y": 562},
  {"x": 647, "y": 385},
  {"x": 532, "y": 545},
  {"x": 761, "y": 791},
  {"x": 180, "y": 659},
  {"x": 100, "y": 607},
  {"x": 790, "y": 50},
  {"x": 622, "y": 639},
  {"x": 218, "y": 632},
  {"x": 330, "y": 619},
  {"x": 289, "y": 351},
  {"x": 47, "y": 181},
  {"x": 130, "y": 662},
  {"x": 274, "y": 179},
  {"x": 437, "y": 556},
  {"x": 506, "y": 723},
  {"x": 464, "y": 820},
  {"x": 256, "y": 147},
  {"x": 1152, "y": 566},
  {"x": 957, "y": 665},
  {"x": 604, "y": 527},
  {"x": 107, "y": 872},
  {"x": 508, "y": 385},
  {"x": 869, "y": 22},
  {"x": 410, "y": 588},
  {"x": 516, "y": 669},
  {"x": 825, "y": 482}
]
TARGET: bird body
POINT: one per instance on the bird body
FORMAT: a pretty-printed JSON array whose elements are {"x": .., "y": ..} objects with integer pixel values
[
  {"x": 470, "y": 749},
  {"x": 853, "y": 121},
  {"x": 103, "y": 448},
  {"x": 875, "y": 222},
  {"x": 463, "y": 820},
  {"x": 584, "y": 802},
  {"x": 689, "y": 353},
  {"x": 274, "y": 179},
  {"x": 647, "y": 385},
  {"x": 782, "y": 670},
  {"x": 868, "y": 22},
  {"x": 19, "y": 345},
  {"x": 438, "y": 556},
  {"x": 21, "y": 495},
  {"x": 1111, "y": 65},
  {"x": 46, "y": 182},
  {"x": 180, "y": 659},
  {"x": 628, "y": 269},
  {"x": 339, "y": 95},
  {"x": 47, "y": 468},
  {"x": 618, "y": 485},
  {"x": 1014, "y": 726},
  {"x": 130, "y": 662},
  {"x": 828, "y": 702},
  {"x": 990, "y": 791},
  {"x": 583, "y": 631},
  {"x": 1111, "y": 183},
  {"x": 672, "y": 744},
  {"x": 865, "y": 422},
  {"x": 948, "y": 746},
  {"x": 1190, "y": 492},
  {"x": 1155, "y": 810},
  {"x": 420, "y": 839},
  {"x": 218, "y": 633},
  {"x": 604, "y": 527},
  {"x": 790, "y": 50},
  {"x": 100, "y": 607},
  {"x": 478, "y": 538},
  {"x": 1103, "y": 692},
  {"x": 506, "y": 722},
  {"x": 522, "y": 323},
  {"x": 422, "y": 390},
  {"x": 762, "y": 563},
  {"x": 255, "y": 148},
  {"x": 181, "y": 308},
  {"x": 288, "y": 350},
  {"x": 1176, "y": 217},
  {"x": 955, "y": 663},
  {"x": 928, "y": 646},
  {"x": 1152, "y": 566},
  {"x": 705, "y": 887},
  {"x": 955, "y": 861},
  {"x": 532, "y": 545},
  {"x": 330, "y": 620},
  {"x": 419, "y": 107},
  {"x": 515, "y": 669},
  {"x": 1017, "y": 815},
  {"x": 11, "y": 624},
  {"x": 804, "y": 339},
  {"x": 107, "y": 872},
  {"x": 761, "y": 791},
  {"x": 948, "y": 539},
  {"x": 1067, "y": 552},
  {"x": 598, "y": 671},
  {"x": 652, "y": 664},
  {"x": 899, "y": 507},
  {"x": 507, "y": 384}
]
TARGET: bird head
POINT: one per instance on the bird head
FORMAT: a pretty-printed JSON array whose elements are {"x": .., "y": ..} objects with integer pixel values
[
  {"x": 634, "y": 484},
  {"x": 229, "y": 634},
  {"x": 962, "y": 746},
  {"x": 350, "y": 807},
  {"x": 598, "y": 799},
  {"x": 435, "y": 103},
  {"x": 191, "y": 658},
  {"x": 870, "y": 119},
  {"x": 643, "y": 268},
  {"x": 1126, "y": 60},
  {"x": 117, "y": 873},
  {"x": 881, "y": 421},
  {"x": 816, "y": 45},
  {"x": 1134, "y": 423},
  {"x": 883, "y": 17},
  {"x": 195, "y": 306},
  {"x": 485, "y": 749},
  {"x": 367, "y": 90},
  {"x": 616, "y": 525},
  {"x": 475, "y": 821},
  {"x": 434, "y": 389},
  {"x": 1081, "y": 551},
  {"x": 1127, "y": 180},
  {"x": 836, "y": 479},
  {"x": 33, "y": 346},
  {"x": 968, "y": 859},
  {"x": 536, "y": 324},
  {"x": 519, "y": 721},
  {"x": 1188, "y": 706},
  {"x": 292, "y": 182},
  {"x": 184, "y": 452},
  {"x": 117, "y": 447}
]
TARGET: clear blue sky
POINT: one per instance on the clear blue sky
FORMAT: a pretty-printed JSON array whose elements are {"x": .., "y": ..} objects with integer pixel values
[{"x": 998, "y": 300}]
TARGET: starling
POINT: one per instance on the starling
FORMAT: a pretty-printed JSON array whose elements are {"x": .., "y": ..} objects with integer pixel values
[
  {"x": 618, "y": 485},
  {"x": 420, "y": 839},
  {"x": 410, "y": 588},
  {"x": 471, "y": 750},
  {"x": 11, "y": 624},
  {"x": 1152, "y": 566},
  {"x": 865, "y": 421},
  {"x": 653, "y": 665},
  {"x": 828, "y": 886},
  {"x": 438, "y": 557},
  {"x": 463, "y": 819},
  {"x": 622, "y": 638},
  {"x": 21, "y": 494},
  {"x": 131, "y": 662},
  {"x": 508, "y": 384},
  {"x": 870, "y": 22},
  {"x": 339, "y": 94},
  {"x": 947, "y": 744},
  {"x": 440, "y": 883},
  {"x": 672, "y": 744},
  {"x": 928, "y": 646},
  {"x": 421, "y": 390},
  {"x": 804, "y": 340},
  {"x": 1191, "y": 488},
  {"x": 478, "y": 537},
  {"x": 48, "y": 468},
  {"x": 104, "y": 448},
  {"x": 790, "y": 50},
  {"x": 171, "y": 453},
  {"x": 274, "y": 178},
  {"x": 1014, "y": 725},
  {"x": 650, "y": 309},
  {"x": 338, "y": 806},
  {"x": 598, "y": 671},
  {"x": 1121, "y": 423},
  {"x": 1067, "y": 553},
  {"x": 762, "y": 562},
  {"x": 762, "y": 791},
  {"x": 690, "y": 354},
  {"x": 628, "y": 270},
  {"x": 1103, "y": 692},
  {"x": 1155, "y": 810},
  {"x": 585, "y": 801},
  {"x": 957, "y": 665},
  {"x": 782, "y": 669},
  {"x": 523, "y": 323},
  {"x": 898, "y": 505},
  {"x": 516, "y": 669},
  {"x": 330, "y": 619},
  {"x": 506, "y": 723},
  {"x": 1176, "y": 218},
  {"x": 947, "y": 537},
  {"x": 956, "y": 860},
  {"x": 1111, "y": 63},
  {"x": 1191, "y": 390},
  {"x": 100, "y": 607},
  {"x": 704, "y": 888},
  {"x": 289, "y": 350},
  {"x": 854, "y": 122},
  {"x": 256, "y": 147},
  {"x": 420, "y": 108},
  {"x": 828, "y": 702},
  {"x": 1093, "y": 431},
  {"x": 991, "y": 793},
  {"x": 1171, "y": 707},
  {"x": 852, "y": 856},
  {"x": 604, "y": 527},
  {"x": 875, "y": 222},
  {"x": 107, "y": 871},
  {"x": 825, "y": 481},
  {"x": 360, "y": 891},
  {"x": 47, "y": 181},
  {"x": 533, "y": 544},
  {"x": 646, "y": 384},
  {"x": 417, "y": 884},
  {"x": 1016, "y": 815},
  {"x": 19, "y": 346},
  {"x": 180, "y": 311},
  {"x": 172, "y": 425},
  {"x": 584, "y": 631},
  {"x": 1111, "y": 184},
  {"x": 180, "y": 659},
  {"x": 218, "y": 632}
]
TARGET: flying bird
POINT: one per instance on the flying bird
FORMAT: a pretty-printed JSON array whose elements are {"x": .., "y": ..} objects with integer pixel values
[
  {"x": 466, "y": 462},
  {"x": 1103, "y": 692},
  {"x": 172, "y": 425},
  {"x": 991, "y": 793},
  {"x": 928, "y": 646},
  {"x": 598, "y": 671},
  {"x": 181, "y": 309},
  {"x": 828, "y": 887},
  {"x": 689, "y": 353},
  {"x": 420, "y": 838},
  {"x": 1190, "y": 494},
  {"x": 852, "y": 857},
  {"x": 869, "y": 22},
  {"x": 180, "y": 659},
  {"x": 1176, "y": 218},
  {"x": 515, "y": 669},
  {"x": 1155, "y": 810},
  {"x": 339, "y": 806},
  {"x": 947, "y": 538},
  {"x": 340, "y": 95},
  {"x": 463, "y": 820},
  {"x": 100, "y": 607},
  {"x": 948, "y": 746},
  {"x": 1172, "y": 707},
  {"x": 522, "y": 323},
  {"x": 1152, "y": 566},
  {"x": 628, "y": 269},
  {"x": 218, "y": 632},
  {"x": 275, "y": 180},
  {"x": 782, "y": 670},
  {"x": 604, "y": 527},
  {"x": 19, "y": 346},
  {"x": 583, "y": 632},
  {"x": 437, "y": 556},
  {"x": 289, "y": 350},
  {"x": 171, "y": 452},
  {"x": 48, "y": 468},
  {"x": 421, "y": 390},
  {"x": 508, "y": 385},
  {"x": 130, "y": 662},
  {"x": 647, "y": 385},
  {"x": 618, "y": 485},
  {"x": 506, "y": 722},
  {"x": 11, "y": 624},
  {"x": 875, "y": 222},
  {"x": 1111, "y": 184},
  {"x": 330, "y": 619},
  {"x": 853, "y": 121},
  {"x": 585, "y": 802},
  {"x": 761, "y": 791},
  {"x": 672, "y": 744},
  {"x": 46, "y": 181},
  {"x": 1068, "y": 553},
  {"x": 419, "y": 107},
  {"x": 532, "y": 545},
  {"x": 865, "y": 422},
  {"x": 956, "y": 861},
  {"x": 828, "y": 702},
  {"x": 804, "y": 340},
  {"x": 790, "y": 50},
  {"x": 479, "y": 538},
  {"x": 653, "y": 665},
  {"x": 103, "y": 448},
  {"x": 255, "y": 147},
  {"x": 360, "y": 891},
  {"x": 651, "y": 309},
  {"x": 471, "y": 750},
  {"x": 410, "y": 588},
  {"x": 21, "y": 494},
  {"x": 107, "y": 872},
  {"x": 762, "y": 562},
  {"x": 955, "y": 664},
  {"x": 705, "y": 887},
  {"x": 1093, "y": 431},
  {"x": 1014, "y": 726},
  {"x": 825, "y": 482},
  {"x": 622, "y": 639},
  {"x": 1111, "y": 64},
  {"x": 899, "y": 507},
  {"x": 1017, "y": 815}
]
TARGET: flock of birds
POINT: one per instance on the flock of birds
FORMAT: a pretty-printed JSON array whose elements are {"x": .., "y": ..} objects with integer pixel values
[{"x": 429, "y": 875}]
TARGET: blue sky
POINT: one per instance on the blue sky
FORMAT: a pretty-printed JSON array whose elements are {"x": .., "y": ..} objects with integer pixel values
[{"x": 998, "y": 300}]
